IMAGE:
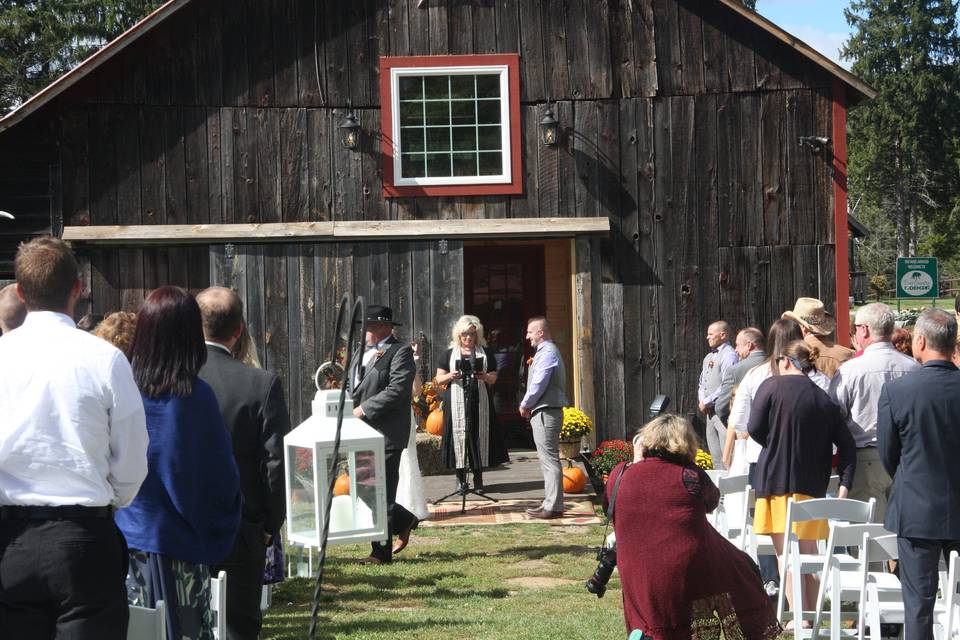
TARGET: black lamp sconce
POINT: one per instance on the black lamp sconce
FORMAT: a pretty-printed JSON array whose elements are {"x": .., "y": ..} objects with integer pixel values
[
  {"x": 350, "y": 131},
  {"x": 549, "y": 127}
]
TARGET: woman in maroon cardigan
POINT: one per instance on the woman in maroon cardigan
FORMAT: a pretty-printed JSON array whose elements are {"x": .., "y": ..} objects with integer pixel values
[{"x": 680, "y": 577}]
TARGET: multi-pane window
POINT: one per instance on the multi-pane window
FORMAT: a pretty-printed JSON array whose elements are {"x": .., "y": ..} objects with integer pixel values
[{"x": 450, "y": 125}]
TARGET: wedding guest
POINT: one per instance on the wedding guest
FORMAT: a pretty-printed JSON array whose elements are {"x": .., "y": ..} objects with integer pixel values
[
  {"x": 797, "y": 424},
  {"x": 471, "y": 434},
  {"x": 12, "y": 310},
  {"x": 118, "y": 329},
  {"x": 186, "y": 516},
  {"x": 255, "y": 413},
  {"x": 74, "y": 448},
  {"x": 679, "y": 576}
]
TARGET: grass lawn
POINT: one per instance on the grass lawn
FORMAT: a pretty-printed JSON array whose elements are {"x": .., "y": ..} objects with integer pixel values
[
  {"x": 942, "y": 303},
  {"x": 516, "y": 582}
]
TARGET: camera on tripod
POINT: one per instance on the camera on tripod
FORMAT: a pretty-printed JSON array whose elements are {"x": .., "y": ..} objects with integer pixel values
[{"x": 606, "y": 563}]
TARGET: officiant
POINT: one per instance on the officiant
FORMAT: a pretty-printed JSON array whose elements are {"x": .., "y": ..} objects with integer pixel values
[{"x": 471, "y": 435}]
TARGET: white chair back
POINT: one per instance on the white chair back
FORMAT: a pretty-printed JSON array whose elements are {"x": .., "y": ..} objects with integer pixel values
[
  {"x": 146, "y": 623},
  {"x": 729, "y": 516},
  {"x": 882, "y": 596},
  {"x": 218, "y": 605},
  {"x": 796, "y": 564},
  {"x": 842, "y": 574}
]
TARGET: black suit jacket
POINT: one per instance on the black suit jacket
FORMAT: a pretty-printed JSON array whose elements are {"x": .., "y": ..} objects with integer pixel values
[
  {"x": 918, "y": 436},
  {"x": 251, "y": 402},
  {"x": 385, "y": 392}
]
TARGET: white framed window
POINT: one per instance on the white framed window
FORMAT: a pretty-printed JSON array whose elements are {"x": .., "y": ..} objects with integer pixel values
[{"x": 451, "y": 125}]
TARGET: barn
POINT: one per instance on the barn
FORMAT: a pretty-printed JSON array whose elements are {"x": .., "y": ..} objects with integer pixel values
[{"x": 632, "y": 169}]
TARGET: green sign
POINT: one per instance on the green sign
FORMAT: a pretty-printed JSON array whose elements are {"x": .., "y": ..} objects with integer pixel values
[{"x": 917, "y": 278}]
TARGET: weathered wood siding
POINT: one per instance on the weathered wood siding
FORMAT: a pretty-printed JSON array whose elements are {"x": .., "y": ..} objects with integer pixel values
[{"x": 679, "y": 120}]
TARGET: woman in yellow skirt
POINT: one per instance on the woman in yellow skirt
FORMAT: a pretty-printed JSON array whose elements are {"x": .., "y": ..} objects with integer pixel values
[{"x": 797, "y": 424}]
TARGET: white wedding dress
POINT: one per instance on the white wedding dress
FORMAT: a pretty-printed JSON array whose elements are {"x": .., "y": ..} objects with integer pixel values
[{"x": 410, "y": 492}]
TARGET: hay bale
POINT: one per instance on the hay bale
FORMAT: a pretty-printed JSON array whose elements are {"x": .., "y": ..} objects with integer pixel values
[{"x": 428, "y": 454}]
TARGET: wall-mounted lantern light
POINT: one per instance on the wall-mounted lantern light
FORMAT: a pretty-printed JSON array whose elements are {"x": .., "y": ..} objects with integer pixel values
[
  {"x": 549, "y": 127},
  {"x": 817, "y": 144},
  {"x": 350, "y": 132}
]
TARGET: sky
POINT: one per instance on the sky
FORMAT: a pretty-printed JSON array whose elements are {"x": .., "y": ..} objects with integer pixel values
[{"x": 819, "y": 23}]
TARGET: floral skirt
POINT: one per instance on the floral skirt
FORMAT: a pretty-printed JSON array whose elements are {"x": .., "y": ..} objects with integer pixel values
[{"x": 184, "y": 588}]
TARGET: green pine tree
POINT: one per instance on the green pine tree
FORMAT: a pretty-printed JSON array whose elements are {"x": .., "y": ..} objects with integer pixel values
[
  {"x": 41, "y": 40},
  {"x": 904, "y": 156}
]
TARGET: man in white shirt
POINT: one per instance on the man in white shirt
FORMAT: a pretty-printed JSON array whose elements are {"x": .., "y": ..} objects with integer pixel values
[
  {"x": 73, "y": 445},
  {"x": 856, "y": 388}
]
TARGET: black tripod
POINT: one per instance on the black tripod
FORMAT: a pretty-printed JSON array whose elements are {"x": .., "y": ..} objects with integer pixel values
[{"x": 471, "y": 399}]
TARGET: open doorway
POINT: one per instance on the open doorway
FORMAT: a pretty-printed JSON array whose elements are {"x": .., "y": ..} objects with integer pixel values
[{"x": 505, "y": 283}]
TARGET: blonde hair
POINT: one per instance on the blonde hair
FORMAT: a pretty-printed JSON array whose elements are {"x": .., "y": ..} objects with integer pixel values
[
  {"x": 462, "y": 324},
  {"x": 669, "y": 434},
  {"x": 803, "y": 354},
  {"x": 118, "y": 329},
  {"x": 245, "y": 349}
]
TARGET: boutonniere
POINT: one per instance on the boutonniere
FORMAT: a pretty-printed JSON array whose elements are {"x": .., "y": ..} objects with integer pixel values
[
  {"x": 380, "y": 353},
  {"x": 529, "y": 361},
  {"x": 710, "y": 364}
]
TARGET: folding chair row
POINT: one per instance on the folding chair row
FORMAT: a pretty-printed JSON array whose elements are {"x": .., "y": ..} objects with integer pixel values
[{"x": 151, "y": 623}]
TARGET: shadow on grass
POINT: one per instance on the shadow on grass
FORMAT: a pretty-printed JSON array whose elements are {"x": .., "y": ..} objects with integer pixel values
[
  {"x": 528, "y": 553},
  {"x": 297, "y": 592},
  {"x": 293, "y": 628}
]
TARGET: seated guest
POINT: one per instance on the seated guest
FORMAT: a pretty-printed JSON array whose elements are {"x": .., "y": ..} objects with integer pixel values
[
  {"x": 186, "y": 516},
  {"x": 117, "y": 329},
  {"x": 12, "y": 310},
  {"x": 679, "y": 575},
  {"x": 797, "y": 424}
]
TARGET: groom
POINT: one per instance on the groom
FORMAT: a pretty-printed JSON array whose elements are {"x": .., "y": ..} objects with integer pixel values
[{"x": 381, "y": 384}]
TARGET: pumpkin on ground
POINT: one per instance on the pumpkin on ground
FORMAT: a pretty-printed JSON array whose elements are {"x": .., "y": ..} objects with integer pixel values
[
  {"x": 342, "y": 486},
  {"x": 435, "y": 422},
  {"x": 574, "y": 479}
]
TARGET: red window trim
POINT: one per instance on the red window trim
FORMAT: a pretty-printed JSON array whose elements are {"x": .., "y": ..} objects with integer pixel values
[{"x": 390, "y": 190}]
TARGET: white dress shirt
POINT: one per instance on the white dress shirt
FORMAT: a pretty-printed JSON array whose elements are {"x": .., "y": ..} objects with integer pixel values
[
  {"x": 747, "y": 391},
  {"x": 72, "y": 430},
  {"x": 857, "y": 384}
]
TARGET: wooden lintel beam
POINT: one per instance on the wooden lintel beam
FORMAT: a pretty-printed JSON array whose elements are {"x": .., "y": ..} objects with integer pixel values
[{"x": 345, "y": 231}]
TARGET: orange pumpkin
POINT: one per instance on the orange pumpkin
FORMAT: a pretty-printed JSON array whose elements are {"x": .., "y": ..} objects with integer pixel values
[
  {"x": 342, "y": 486},
  {"x": 574, "y": 480},
  {"x": 435, "y": 422}
]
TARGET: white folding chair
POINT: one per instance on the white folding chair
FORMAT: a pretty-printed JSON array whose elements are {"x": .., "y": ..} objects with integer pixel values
[
  {"x": 146, "y": 623},
  {"x": 729, "y": 516},
  {"x": 843, "y": 575},
  {"x": 833, "y": 485},
  {"x": 882, "y": 601},
  {"x": 947, "y": 611},
  {"x": 218, "y": 605},
  {"x": 798, "y": 564}
]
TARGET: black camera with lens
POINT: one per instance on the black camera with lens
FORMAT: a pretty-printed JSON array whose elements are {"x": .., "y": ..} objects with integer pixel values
[
  {"x": 606, "y": 563},
  {"x": 465, "y": 367}
]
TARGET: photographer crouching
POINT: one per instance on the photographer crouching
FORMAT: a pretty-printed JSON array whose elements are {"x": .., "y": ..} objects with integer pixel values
[{"x": 680, "y": 577}]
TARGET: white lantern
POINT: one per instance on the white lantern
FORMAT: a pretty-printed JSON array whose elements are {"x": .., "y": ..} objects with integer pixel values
[{"x": 360, "y": 513}]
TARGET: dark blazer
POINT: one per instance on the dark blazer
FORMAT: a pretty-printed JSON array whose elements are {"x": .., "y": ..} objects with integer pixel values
[
  {"x": 251, "y": 402},
  {"x": 731, "y": 378},
  {"x": 385, "y": 392},
  {"x": 918, "y": 435}
]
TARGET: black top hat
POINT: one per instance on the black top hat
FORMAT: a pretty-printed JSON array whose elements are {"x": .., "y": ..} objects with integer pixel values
[{"x": 379, "y": 313}]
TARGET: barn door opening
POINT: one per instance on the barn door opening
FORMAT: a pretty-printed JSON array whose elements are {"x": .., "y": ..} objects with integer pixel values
[{"x": 505, "y": 283}]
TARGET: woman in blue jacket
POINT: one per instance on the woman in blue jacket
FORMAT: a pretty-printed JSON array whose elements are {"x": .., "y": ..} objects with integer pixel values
[{"x": 187, "y": 512}]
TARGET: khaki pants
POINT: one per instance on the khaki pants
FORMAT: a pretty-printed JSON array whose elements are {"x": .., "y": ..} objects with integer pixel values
[{"x": 871, "y": 481}]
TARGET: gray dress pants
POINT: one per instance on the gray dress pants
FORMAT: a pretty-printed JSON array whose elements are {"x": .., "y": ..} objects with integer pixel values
[
  {"x": 716, "y": 437},
  {"x": 546, "y": 435}
]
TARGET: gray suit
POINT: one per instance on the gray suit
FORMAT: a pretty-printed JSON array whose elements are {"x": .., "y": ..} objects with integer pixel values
[
  {"x": 384, "y": 392},
  {"x": 731, "y": 378}
]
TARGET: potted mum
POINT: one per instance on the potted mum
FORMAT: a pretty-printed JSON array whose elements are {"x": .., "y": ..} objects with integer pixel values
[
  {"x": 609, "y": 454},
  {"x": 576, "y": 424}
]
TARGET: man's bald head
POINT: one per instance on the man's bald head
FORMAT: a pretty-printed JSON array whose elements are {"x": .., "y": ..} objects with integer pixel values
[
  {"x": 222, "y": 312},
  {"x": 12, "y": 310}
]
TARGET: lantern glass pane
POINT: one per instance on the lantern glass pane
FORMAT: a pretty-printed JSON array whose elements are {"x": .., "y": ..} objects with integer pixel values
[{"x": 302, "y": 521}]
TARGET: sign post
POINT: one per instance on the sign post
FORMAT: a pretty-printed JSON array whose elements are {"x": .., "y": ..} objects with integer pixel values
[{"x": 918, "y": 278}]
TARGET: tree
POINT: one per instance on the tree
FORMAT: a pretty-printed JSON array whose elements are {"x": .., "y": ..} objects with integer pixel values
[
  {"x": 43, "y": 39},
  {"x": 903, "y": 145},
  {"x": 749, "y": 4}
]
